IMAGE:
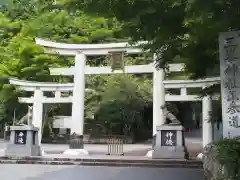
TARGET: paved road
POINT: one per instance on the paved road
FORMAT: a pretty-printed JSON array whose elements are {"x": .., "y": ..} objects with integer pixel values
[{"x": 48, "y": 172}]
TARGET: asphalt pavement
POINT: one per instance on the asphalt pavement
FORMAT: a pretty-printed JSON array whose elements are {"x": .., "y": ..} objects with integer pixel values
[{"x": 54, "y": 172}]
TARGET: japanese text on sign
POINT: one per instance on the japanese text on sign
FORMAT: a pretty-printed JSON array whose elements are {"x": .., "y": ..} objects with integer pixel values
[
  {"x": 20, "y": 137},
  {"x": 230, "y": 82},
  {"x": 168, "y": 138}
]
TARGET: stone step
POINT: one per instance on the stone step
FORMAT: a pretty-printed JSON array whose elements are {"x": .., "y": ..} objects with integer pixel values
[
  {"x": 193, "y": 164},
  {"x": 118, "y": 164}
]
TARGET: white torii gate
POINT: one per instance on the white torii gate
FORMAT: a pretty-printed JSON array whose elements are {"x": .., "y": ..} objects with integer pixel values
[
  {"x": 80, "y": 51},
  {"x": 39, "y": 99}
]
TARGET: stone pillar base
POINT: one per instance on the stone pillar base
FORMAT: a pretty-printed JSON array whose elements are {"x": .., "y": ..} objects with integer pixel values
[
  {"x": 76, "y": 142},
  {"x": 42, "y": 152},
  {"x": 75, "y": 152},
  {"x": 22, "y": 150},
  {"x": 169, "y": 142},
  {"x": 154, "y": 141},
  {"x": 23, "y": 141},
  {"x": 149, "y": 154},
  {"x": 169, "y": 153},
  {"x": 76, "y": 146},
  {"x": 200, "y": 156}
]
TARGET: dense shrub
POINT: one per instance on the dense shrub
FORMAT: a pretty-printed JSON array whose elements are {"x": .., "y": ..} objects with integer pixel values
[{"x": 222, "y": 160}]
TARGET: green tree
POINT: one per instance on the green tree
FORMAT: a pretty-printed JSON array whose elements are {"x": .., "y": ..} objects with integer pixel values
[
  {"x": 185, "y": 28},
  {"x": 122, "y": 104},
  {"x": 23, "y": 20}
]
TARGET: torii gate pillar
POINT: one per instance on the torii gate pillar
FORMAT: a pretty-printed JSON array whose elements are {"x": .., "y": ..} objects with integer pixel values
[
  {"x": 77, "y": 123},
  {"x": 158, "y": 101},
  {"x": 207, "y": 126},
  {"x": 38, "y": 112}
]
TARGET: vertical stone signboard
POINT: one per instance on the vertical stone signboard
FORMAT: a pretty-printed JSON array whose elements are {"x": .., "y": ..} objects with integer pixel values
[{"x": 229, "y": 51}]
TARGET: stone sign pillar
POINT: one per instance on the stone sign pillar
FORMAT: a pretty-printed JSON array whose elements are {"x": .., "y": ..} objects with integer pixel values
[
  {"x": 169, "y": 142},
  {"x": 229, "y": 51},
  {"x": 23, "y": 141}
]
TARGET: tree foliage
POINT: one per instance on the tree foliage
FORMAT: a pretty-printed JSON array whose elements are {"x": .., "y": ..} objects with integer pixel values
[
  {"x": 186, "y": 28},
  {"x": 174, "y": 30},
  {"x": 23, "y": 20},
  {"x": 123, "y": 102},
  {"x": 221, "y": 159}
]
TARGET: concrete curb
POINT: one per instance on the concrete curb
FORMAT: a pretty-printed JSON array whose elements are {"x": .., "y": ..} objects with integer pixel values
[{"x": 192, "y": 164}]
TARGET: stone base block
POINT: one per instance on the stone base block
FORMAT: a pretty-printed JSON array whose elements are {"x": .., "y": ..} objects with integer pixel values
[
  {"x": 42, "y": 152},
  {"x": 149, "y": 154},
  {"x": 200, "y": 156},
  {"x": 22, "y": 150},
  {"x": 76, "y": 142},
  {"x": 76, "y": 152},
  {"x": 164, "y": 152},
  {"x": 154, "y": 141}
]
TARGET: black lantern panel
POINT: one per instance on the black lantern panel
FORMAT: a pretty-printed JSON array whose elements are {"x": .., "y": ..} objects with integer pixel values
[
  {"x": 168, "y": 138},
  {"x": 20, "y": 137}
]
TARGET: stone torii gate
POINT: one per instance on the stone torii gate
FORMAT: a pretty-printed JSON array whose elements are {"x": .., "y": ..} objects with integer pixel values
[
  {"x": 80, "y": 51},
  {"x": 38, "y": 98}
]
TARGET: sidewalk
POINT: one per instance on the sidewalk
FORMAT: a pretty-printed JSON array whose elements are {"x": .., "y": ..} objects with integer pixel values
[
  {"x": 103, "y": 160},
  {"x": 194, "y": 147}
]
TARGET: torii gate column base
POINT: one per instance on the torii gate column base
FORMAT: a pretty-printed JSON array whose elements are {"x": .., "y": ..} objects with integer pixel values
[
  {"x": 76, "y": 146},
  {"x": 207, "y": 126},
  {"x": 158, "y": 102}
]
